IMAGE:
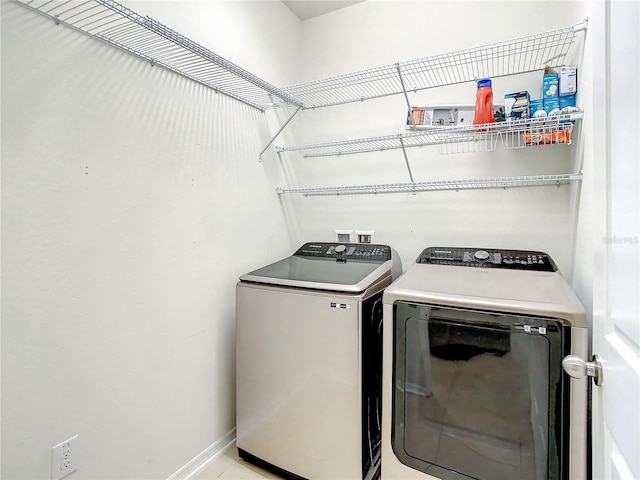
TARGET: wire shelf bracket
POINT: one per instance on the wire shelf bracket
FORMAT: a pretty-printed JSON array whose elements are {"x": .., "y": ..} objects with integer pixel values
[
  {"x": 519, "y": 55},
  {"x": 149, "y": 39},
  {"x": 406, "y": 159},
  {"x": 457, "y": 185},
  {"x": 273, "y": 139}
]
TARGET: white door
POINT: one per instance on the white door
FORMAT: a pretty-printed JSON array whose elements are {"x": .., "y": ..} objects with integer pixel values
[{"x": 616, "y": 330}]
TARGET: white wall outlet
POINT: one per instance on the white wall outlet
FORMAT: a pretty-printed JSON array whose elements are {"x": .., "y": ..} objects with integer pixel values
[
  {"x": 64, "y": 458},
  {"x": 345, "y": 236},
  {"x": 364, "y": 236}
]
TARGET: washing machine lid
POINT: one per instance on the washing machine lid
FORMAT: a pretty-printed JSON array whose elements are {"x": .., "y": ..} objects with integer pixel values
[
  {"x": 343, "y": 267},
  {"x": 541, "y": 291}
]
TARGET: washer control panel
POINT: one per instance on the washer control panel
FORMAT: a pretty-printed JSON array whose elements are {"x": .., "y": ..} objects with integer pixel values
[
  {"x": 490, "y": 258},
  {"x": 345, "y": 251}
]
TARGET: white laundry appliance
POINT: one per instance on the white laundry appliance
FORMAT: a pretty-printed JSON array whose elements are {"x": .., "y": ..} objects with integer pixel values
[
  {"x": 473, "y": 383},
  {"x": 309, "y": 361}
]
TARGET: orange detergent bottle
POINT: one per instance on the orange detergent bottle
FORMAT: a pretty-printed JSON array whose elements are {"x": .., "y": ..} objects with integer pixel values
[{"x": 484, "y": 103}]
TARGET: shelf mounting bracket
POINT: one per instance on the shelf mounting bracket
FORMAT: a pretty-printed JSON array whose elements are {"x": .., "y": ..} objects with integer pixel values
[
  {"x": 278, "y": 133},
  {"x": 406, "y": 159},
  {"x": 406, "y": 97}
]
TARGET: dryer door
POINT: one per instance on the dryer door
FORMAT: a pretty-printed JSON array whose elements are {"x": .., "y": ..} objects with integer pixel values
[{"x": 478, "y": 394}]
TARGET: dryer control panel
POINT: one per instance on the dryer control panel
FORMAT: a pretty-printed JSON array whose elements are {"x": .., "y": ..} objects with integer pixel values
[
  {"x": 490, "y": 258},
  {"x": 345, "y": 251}
]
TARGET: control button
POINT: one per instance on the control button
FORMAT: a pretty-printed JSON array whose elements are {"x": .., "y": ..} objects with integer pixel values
[
  {"x": 340, "y": 248},
  {"x": 481, "y": 255}
]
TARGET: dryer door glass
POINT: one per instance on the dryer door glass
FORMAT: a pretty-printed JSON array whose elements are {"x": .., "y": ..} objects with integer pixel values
[{"x": 478, "y": 394}]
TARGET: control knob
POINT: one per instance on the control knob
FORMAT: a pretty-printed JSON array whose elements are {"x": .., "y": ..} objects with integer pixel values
[
  {"x": 340, "y": 248},
  {"x": 481, "y": 255}
]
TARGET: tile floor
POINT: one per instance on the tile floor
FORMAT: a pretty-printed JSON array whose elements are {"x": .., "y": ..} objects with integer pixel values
[{"x": 229, "y": 466}]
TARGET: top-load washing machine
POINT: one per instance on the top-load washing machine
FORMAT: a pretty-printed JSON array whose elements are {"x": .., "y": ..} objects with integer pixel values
[
  {"x": 309, "y": 361},
  {"x": 473, "y": 384}
]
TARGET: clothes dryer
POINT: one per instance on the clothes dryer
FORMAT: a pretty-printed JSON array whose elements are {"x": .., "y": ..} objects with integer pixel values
[
  {"x": 309, "y": 361},
  {"x": 473, "y": 384}
]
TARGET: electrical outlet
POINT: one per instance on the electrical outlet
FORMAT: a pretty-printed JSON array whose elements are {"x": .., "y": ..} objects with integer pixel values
[
  {"x": 364, "y": 236},
  {"x": 345, "y": 236},
  {"x": 64, "y": 458}
]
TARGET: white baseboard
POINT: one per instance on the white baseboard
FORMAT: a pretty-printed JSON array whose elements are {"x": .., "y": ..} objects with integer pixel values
[{"x": 200, "y": 461}]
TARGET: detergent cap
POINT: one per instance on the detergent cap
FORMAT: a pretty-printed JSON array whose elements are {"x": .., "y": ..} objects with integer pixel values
[{"x": 485, "y": 82}]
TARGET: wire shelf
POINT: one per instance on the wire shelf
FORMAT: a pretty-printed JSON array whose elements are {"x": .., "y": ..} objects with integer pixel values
[
  {"x": 520, "y": 55},
  {"x": 474, "y": 138},
  {"x": 468, "y": 142},
  {"x": 149, "y": 39},
  {"x": 474, "y": 184},
  {"x": 371, "y": 144}
]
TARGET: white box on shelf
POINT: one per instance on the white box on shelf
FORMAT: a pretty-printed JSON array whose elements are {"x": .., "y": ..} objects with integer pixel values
[
  {"x": 430, "y": 116},
  {"x": 568, "y": 80}
]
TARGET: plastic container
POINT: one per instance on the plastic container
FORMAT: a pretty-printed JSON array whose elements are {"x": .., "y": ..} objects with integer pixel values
[{"x": 484, "y": 103}]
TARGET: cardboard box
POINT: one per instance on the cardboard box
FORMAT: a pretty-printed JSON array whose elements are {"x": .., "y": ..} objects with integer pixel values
[
  {"x": 550, "y": 83},
  {"x": 567, "y": 101},
  {"x": 568, "y": 80},
  {"x": 551, "y": 104},
  {"x": 516, "y": 105},
  {"x": 535, "y": 106},
  {"x": 567, "y": 105}
]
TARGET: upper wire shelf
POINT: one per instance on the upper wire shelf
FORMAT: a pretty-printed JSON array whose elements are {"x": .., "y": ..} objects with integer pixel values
[
  {"x": 520, "y": 55},
  {"x": 149, "y": 39},
  {"x": 474, "y": 138}
]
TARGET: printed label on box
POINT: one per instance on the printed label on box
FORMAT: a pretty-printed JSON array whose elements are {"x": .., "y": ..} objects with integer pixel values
[
  {"x": 552, "y": 105},
  {"x": 568, "y": 80},
  {"x": 550, "y": 85},
  {"x": 516, "y": 105},
  {"x": 536, "y": 105}
]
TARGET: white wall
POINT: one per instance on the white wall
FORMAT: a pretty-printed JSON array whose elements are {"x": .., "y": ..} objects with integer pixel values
[
  {"x": 132, "y": 199},
  {"x": 376, "y": 33}
]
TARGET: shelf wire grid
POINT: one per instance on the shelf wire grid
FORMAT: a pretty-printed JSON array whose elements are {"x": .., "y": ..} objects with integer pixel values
[
  {"x": 147, "y": 38},
  {"x": 473, "y": 184},
  {"x": 484, "y": 140},
  {"x": 473, "y": 138},
  {"x": 468, "y": 141},
  {"x": 520, "y": 55}
]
